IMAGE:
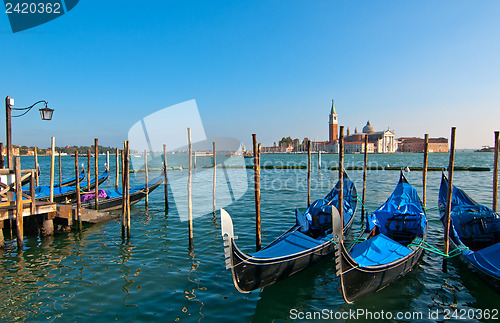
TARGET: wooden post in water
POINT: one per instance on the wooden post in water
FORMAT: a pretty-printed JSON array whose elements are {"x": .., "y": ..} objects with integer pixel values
[
  {"x": 52, "y": 153},
  {"x": 117, "y": 170},
  {"x": 107, "y": 160},
  {"x": 35, "y": 153},
  {"x": 365, "y": 167},
  {"x": 147, "y": 179},
  {"x": 124, "y": 200},
  {"x": 96, "y": 170},
  {"x": 127, "y": 182},
  {"x": 189, "y": 201},
  {"x": 165, "y": 189},
  {"x": 194, "y": 154},
  {"x": 215, "y": 177},
  {"x": 341, "y": 175},
  {"x": 78, "y": 201},
  {"x": 32, "y": 192},
  {"x": 319, "y": 159},
  {"x": 495, "y": 171},
  {"x": 60, "y": 170},
  {"x": 256, "y": 169},
  {"x": 2, "y": 164},
  {"x": 88, "y": 170},
  {"x": 426, "y": 163},
  {"x": 449, "y": 197},
  {"x": 19, "y": 203},
  {"x": 308, "y": 172}
]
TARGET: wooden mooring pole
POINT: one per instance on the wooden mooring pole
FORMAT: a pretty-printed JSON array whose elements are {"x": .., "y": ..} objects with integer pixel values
[
  {"x": 256, "y": 169},
  {"x": 60, "y": 169},
  {"x": 341, "y": 175},
  {"x": 319, "y": 159},
  {"x": 124, "y": 200},
  {"x": 117, "y": 169},
  {"x": 308, "y": 172},
  {"x": 78, "y": 201},
  {"x": 19, "y": 203},
  {"x": 449, "y": 199},
  {"x": 146, "y": 179},
  {"x": 125, "y": 191},
  {"x": 2, "y": 162},
  {"x": 52, "y": 153},
  {"x": 88, "y": 170},
  {"x": 127, "y": 175},
  {"x": 365, "y": 167},
  {"x": 424, "y": 175},
  {"x": 190, "y": 175},
  {"x": 214, "y": 159},
  {"x": 165, "y": 188},
  {"x": 96, "y": 170},
  {"x": 495, "y": 171},
  {"x": 35, "y": 153}
]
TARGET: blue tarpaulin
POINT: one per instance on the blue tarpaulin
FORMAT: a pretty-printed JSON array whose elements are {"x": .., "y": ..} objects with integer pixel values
[{"x": 378, "y": 250}]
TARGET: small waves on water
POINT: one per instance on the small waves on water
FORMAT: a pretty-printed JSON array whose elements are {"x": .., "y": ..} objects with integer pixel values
[{"x": 158, "y": 276}]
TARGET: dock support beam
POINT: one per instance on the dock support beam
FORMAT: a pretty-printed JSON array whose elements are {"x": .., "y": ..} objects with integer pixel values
[
  {"x": 2, "y": 240},
  {"x": 19, "y": 204}
]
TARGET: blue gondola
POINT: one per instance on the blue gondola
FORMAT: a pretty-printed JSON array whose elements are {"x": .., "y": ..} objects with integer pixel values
[
  {"x": 303, "y": 245},
  {"x": 475, "y": 229},
  {"x": 389, "y": 248}
]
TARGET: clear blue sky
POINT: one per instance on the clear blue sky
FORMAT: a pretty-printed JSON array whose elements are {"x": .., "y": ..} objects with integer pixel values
[{"x": 265, "y": 67}]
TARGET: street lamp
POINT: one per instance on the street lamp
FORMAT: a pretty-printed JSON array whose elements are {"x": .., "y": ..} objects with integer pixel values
[{"x": 45, "y": 113}]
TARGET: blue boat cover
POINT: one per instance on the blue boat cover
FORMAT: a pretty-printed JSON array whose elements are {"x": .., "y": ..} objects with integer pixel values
[
  {"x": 291, "y": 243},
  {"x": 44, "y": 191},
  {"x": 378, "y": 250},
  {"x": 402, "y": 208},
  {"x": 319, "y": 214},
  {"x": 487, "y": 259},
  {"x": 475, "y": 226}
]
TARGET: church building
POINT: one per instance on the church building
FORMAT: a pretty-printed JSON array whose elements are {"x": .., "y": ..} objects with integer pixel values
[{"x": 378, "y": 141}]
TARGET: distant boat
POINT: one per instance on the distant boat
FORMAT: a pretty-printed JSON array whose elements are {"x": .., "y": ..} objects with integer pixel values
[
  {"x": 113, "y": 199},
  {"x": 485, "y": 149}
]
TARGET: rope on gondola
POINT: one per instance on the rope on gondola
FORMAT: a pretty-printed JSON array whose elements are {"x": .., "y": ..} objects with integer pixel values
[
  {"x": 431, "y": 208},
  {"x": 453, "y": 253}
]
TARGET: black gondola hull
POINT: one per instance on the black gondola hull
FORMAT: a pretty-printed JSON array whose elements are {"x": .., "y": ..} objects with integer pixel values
[
  {"x": 358, "y": 281},
  {"x": 251, "y": 273},
  {"x": 116, "y": 203}
]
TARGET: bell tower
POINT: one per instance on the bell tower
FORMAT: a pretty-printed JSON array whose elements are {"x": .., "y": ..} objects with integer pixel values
[{"x": 333, "y": 125}]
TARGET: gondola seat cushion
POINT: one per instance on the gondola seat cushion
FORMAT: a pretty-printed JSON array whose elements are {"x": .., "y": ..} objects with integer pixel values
[
  {"x": 378, "y": 250},
  {"x": 290, "y": 244}
]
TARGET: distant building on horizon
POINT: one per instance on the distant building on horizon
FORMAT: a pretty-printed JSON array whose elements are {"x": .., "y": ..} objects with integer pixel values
[
  {"x": 378, "y": 141},
  {"x": 417, "y": 145}
]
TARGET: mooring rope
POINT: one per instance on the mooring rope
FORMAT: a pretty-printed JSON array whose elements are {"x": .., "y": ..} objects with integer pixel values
[{"x": 453, "y": 253}]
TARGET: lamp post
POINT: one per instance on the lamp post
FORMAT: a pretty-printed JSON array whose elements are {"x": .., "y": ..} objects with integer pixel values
[{"x": 45, "y": 113}]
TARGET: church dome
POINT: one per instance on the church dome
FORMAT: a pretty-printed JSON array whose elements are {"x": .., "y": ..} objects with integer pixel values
[{"x": 368, "y": 128}]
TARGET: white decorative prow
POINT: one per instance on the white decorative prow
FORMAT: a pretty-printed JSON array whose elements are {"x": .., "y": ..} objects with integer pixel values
[{"x": 227, "y": 235}]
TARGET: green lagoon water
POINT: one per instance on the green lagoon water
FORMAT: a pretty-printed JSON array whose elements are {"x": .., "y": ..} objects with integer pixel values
[{"x": 95, "y": 275}]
